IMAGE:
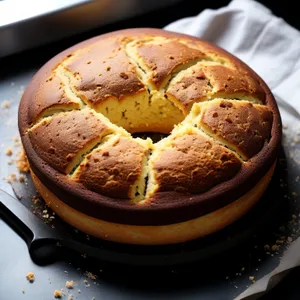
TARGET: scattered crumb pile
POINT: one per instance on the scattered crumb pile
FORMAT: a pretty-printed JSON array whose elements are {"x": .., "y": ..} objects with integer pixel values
[{"x": 20, "y": 161}]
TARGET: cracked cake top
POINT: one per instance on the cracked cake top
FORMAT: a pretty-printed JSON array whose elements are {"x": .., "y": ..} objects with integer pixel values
[{"x": 78, "y": 115}]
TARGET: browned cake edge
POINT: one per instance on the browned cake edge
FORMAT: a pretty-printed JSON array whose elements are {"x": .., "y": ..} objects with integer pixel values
[
  {"x": 175, "y": 207},
  {"x": 160, "y": 234}
]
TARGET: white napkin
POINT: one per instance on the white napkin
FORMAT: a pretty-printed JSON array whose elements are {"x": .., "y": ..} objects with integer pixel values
[{"x": 251, "y": 32}]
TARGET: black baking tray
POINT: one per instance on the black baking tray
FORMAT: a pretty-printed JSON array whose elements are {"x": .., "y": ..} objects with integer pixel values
[
  {"x": 221, "y": 263},
  {"x": 227, "y": 251}
]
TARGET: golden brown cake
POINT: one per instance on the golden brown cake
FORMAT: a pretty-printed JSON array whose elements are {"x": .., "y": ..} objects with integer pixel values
[{"x": 81, "y": 113}]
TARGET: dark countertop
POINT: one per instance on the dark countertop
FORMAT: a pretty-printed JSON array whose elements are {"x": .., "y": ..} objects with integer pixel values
[{"x": 15, "y": 262}]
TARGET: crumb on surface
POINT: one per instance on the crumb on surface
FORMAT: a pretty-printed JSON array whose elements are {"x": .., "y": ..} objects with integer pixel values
[
  {"x": 8, "y": 151},
  {"x": 23, "y": 291},
  {"x": 12, "y": 177},
  {"x": 5, "y": 104},
  {"x": 35, "y": 200},
  {"x": 90, "y": 275},
  {"x": 70, "y": 297},
  {"x": 17, "y": 142},
  {"x": 251, "y": 278},
  {"x": 57, "y": 294},
  {"x": 70, "y": 284},
  {"x": 30, "y": 276},
  {"x": 22, "y": 162}
]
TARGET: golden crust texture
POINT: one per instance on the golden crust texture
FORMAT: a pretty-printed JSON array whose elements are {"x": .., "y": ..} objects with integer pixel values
[
  {"x": 192, "y": 162},
  {"x": 78, "y": 116}
]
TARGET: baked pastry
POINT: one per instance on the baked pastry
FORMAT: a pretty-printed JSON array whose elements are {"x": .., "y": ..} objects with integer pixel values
[{"x": 79, "y": 117}]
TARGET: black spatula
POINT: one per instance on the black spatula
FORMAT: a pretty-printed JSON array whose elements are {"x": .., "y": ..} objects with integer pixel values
[{"x": 41, "y": 240}]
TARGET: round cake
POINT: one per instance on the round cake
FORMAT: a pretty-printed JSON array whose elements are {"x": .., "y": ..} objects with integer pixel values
[{"x": 87, "y": 116}]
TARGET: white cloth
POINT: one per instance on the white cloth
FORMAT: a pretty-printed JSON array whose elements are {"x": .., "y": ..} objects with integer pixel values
[{"x": 251, "y": 32}]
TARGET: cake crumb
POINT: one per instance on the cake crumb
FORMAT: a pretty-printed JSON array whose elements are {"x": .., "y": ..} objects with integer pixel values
[
  {"x": 252, "y": 278},
  {"x": 21, "y": 178},
  {"x": 17, "y": 144},
  {"x": 57, "y": 294},
  {"x": 12, "y": 177},
  {"x": 5, "y": 104},
  {"x": 8, "y": 151},
  {"x": 70, "y": 297},
  {"x": 30, "y": 276},
  {"x": 22, "y": 162},
  {"x": 91, "y": 275},
  {"x": 23, "y": 291},
  {"x": 35, "y": 200},
  {"x": 70, "y": 284}
]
